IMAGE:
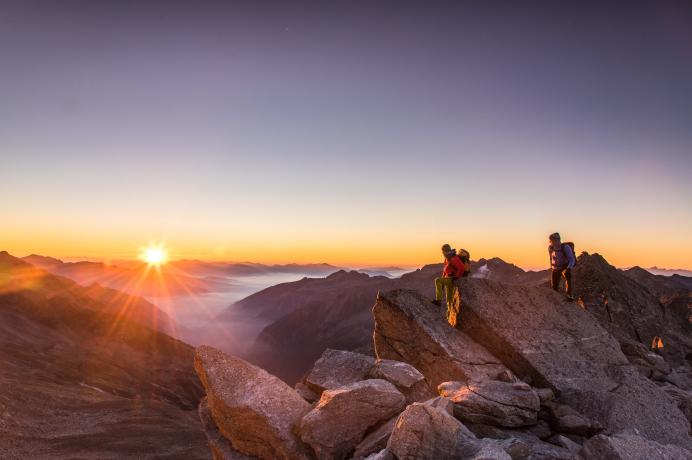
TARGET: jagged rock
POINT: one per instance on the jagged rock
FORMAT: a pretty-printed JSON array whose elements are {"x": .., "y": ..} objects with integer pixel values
[
  {"x": 306, "y": 393},
  {"x": 375, "y": 441},
  {"x": 493, "y": 402},
  {"x": 343, "y": 415},
  {"x": 337, "y": 368},
  {"x": 426, "y": 432},
  {"x": 404, "y": 376},
  {"x": 629, "y": 446},
  {"x": 221, "y": 449},
  {"x": 631, "y": 311},
  {"x": 554, "y": 344},
  {"x": 253, "y": 409},
  {"x": 564, "y": 419},
  {"x": 409, "y": 328}
]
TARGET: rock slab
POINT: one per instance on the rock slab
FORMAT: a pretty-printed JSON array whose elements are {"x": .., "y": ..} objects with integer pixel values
[
  {"x": 426, "y": 432},
  {"x": 557, "y": 345},
  {"x": 409, "y": 328},
  {"x": 337, "y": 368},
  {"x": 252, "y": 409},
  {"x": 493, "y": 402},
  {"x": 343, "y": 415}
]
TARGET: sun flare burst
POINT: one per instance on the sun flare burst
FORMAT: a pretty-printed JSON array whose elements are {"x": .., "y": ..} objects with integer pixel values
[{"x": 154, "y": 255}]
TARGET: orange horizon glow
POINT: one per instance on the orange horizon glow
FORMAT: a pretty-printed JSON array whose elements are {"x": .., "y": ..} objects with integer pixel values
[{"x": 529, "y": 256}]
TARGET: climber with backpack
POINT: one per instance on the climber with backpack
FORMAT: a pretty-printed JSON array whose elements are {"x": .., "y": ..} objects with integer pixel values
[
  {"x": 562, "y": 261},
  {"x": 456, "y": 266}
]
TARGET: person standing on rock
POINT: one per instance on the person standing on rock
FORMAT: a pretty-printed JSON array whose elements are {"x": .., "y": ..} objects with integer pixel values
[
  {"x": 562, "y": 261},
  {"x": 453, "y": 270}
]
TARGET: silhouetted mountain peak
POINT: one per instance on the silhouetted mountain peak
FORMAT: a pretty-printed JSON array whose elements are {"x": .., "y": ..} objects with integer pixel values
[
  {"x": 347, "y": 275},
  {"x": 10, "y": 261}
]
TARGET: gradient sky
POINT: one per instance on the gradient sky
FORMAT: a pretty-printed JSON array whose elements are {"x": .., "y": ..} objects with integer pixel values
[{"x": 359, "y": 133}]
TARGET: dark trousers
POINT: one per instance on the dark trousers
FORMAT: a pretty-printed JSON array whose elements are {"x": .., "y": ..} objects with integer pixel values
[{"x": 565, "y": 273}]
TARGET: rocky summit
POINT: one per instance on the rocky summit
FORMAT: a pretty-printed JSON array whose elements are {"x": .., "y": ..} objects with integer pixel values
[{"x": 525, "y": 375}]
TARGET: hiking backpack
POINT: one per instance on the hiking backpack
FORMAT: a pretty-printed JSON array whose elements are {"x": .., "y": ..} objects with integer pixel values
[
  {"x": 571, "y": 245},
  {"x": 465, "y": 258}
]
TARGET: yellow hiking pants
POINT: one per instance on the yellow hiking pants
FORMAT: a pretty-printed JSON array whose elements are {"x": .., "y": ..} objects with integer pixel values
[{"x": 446, "y": 284}]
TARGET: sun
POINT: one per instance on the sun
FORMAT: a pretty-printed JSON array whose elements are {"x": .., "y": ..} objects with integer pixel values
[{"x": 154, "y": 255}]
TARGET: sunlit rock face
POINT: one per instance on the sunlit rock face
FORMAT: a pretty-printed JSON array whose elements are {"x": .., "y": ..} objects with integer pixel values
[
  {"x": 254, "y": 410},
  {"x": 343, "y": 415},
  {"x": 552, "y": 343},
  {"x": 409, "y": 328}
]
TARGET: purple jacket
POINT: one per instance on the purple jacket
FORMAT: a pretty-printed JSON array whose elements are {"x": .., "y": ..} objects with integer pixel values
[{"x": 561, "y": 259}]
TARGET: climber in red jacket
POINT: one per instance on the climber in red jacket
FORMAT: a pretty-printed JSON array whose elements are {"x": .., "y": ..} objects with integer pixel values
[{"x": 453, "y": 270}]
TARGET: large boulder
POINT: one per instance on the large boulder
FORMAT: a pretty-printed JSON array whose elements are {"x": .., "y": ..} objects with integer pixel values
[
  {"x": 342, "y": 417},
  {"x": 426, "y": 432},
  {"x": 251, "y": 408},
  {"x": 630, "y": 446},
  {"x": 555, "y": 344},
  {"x": 337, "y": 368},
  {"x": 380, "y": 437},
  {"x": 409, "y": 328},
  {"x": 493, "y": 403}
]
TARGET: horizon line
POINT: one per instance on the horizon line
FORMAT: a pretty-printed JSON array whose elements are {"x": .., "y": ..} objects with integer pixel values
[{"x": 413, "y": 266}]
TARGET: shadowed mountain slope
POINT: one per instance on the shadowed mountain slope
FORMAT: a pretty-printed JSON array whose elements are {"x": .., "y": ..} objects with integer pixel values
[{"x": 79, "y": 381}]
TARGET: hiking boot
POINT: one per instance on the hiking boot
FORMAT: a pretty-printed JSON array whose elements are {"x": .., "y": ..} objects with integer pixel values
[{"x": 437, "y": 302}]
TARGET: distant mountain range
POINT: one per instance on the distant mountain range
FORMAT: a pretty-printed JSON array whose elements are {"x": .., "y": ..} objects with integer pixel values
[
  {"x": 180, "y": 277},
  {"x": 669, "y": 271}
]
